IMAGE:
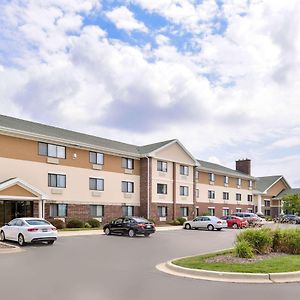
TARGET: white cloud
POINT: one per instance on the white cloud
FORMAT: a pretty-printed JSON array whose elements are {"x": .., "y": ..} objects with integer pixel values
[{"x": 124, "y": 19}]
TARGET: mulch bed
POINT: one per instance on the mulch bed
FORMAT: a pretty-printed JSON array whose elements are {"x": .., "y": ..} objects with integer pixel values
[
  {"x": 231, "y": 259},
  {"x": 5, "y": 246}
]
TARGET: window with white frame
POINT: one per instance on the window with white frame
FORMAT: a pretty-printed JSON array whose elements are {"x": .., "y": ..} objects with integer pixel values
[
  {"x": 184, "y": 170},
  {"x": 226, "y": 179},
  {"x": 162, "y": 188},
  {"x": 96, "y": 184},
  {"x": 97, "y": 210},
  {"x": 238, "y": 210},
  {"x": 250, "y": 182},
  {"x": 197, "y": 193},
  {"x": 58, "y": 210},
  {"x": 184, "y": 190},
  {"x": 238, "y": 197},
  {"x": 128, "y": 163},
  {"x": 211, "y": 176},
  {"x": 127, "y": 187},
  {"x": 184, "y": 211},
  {"x": 96, "y": 158},
  {"x": 56, "y": 180},
  {"x": 238, "y": 181},
  {"x": 52, "y": 150},
  {"x": 225, "y": 211},
  {"x": 211, "y": 211},
  {"x": 162, "y": 211},
  {"x": 211, "y": 194},
  {"x": 225, "y": 196},
  {"x": 250, "y": 210},
  {"x": 249, "y": 198},
  {"x": 162, "y": 166},
  {"x": 128, "y": 211}
]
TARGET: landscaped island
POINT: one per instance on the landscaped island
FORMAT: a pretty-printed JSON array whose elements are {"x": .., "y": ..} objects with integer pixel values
[{"x": 255, "y": 251}]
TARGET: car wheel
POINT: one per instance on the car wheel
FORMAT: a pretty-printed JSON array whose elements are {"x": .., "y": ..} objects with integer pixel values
[
  {"x": 187, "y": 226},
  {"x": 235, "y": 226},
  {"x": 210, "y": 227},
  {"x": 2, "y": 236},
  {"x": 107, "y": 231},
  {"x": 21, "y": 240},
  {"x": 50, "y": 242},
  {"x": 147, "y": 234},
  {"x": 131, "y": 233}
]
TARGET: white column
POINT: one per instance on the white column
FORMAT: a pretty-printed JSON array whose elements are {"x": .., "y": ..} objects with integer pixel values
[
  {"x": 259, "y": 204},
  {"x": 41, "y": 208}
]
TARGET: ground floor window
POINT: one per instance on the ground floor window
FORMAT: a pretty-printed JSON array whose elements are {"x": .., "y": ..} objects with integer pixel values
[
  {"x": 267, "y": 212},
  {"x": 225, "y": 211},
  {"x": 238, "y": 210},
  {"x": 14, "y": 209},
  {"x": 197, "y": 211},
  {"x": 58, "y": 210},
  {"x": 162, "y": 211},
  {"x": 250, "y": 210},
  {"x": 127, "y": 211},
  {"x": 184, "y": 211},
  {"x": 97, "y": 210},
  {"x": 211, "y": 211}
]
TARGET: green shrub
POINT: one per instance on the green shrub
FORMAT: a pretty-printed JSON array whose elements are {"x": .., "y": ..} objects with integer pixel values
[
  {"x": 75, "y": 223},
  {"x": 153, "y": 220},
  {"x": 243, "y": 249},
  {"x": 94, "y": 223},
  {"x": 180, "y": 220},
  {"x": 59, "y": 224},
  {"x": 261, "y": 240},
  {"x": 175, "y": 222},
  {"x": 87, "y": 225},
  {"x": 289, "y": 241}
]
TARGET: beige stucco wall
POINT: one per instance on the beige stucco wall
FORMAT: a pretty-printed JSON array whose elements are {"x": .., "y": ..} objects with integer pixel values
[{"x": 77, "y": 182}]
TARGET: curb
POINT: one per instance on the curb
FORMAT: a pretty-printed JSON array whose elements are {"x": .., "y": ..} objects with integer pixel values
[{"x": 11, "y": 249}]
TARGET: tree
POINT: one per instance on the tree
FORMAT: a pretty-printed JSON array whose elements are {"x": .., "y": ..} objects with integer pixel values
[{"x": 291, "y": 204}]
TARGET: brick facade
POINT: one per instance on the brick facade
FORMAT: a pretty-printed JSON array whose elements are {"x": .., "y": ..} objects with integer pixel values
[{"x": 144, "y": 163}]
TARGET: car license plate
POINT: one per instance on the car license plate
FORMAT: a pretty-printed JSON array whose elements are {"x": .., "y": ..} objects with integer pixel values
[
  {"x": 148, "y": 226},
  {"x": 45, "y": 230}
]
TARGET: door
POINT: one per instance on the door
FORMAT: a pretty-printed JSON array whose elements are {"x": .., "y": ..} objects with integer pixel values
[
  {"x": 204, "y": 222},
  {"x": 126, "y": 225},
  {"x": 116, "y": 226},
  {"x": 10, "y": 229},
  {"x": 196, "y": 223}
]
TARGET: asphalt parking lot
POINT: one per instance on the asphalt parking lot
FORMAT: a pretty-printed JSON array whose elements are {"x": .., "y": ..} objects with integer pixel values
[{"x": 117, "y": 267}]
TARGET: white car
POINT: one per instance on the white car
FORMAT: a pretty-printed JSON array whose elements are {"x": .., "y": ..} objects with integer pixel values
[
  {"x": 206, "y": 222},
  {"x": 28, "y": 230}
]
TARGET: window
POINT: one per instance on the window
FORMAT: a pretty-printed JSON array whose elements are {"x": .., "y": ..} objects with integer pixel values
[
  {"x": 52, "y": 150},
  {"x": 162, "y": 211},
  {"x": 211, "y": 176},
  {"x": 96, "y": 158},
  {"x": 162, "y": 166},
  {"x": 58, "y": 210},
  {"x": 238, "y": 210},
  {"x": 197, "y": 211},
  {"x": 225, "y": 211},
  {"x": 162, "y": 188},
  {"x": 127, "y": 187},
  {"x": 226, "y": 179},
  {"x": 239, "y": 181},
  {"x": 250, "y": 183},
  {"x": 57, "y": 180},
  {"x": 197, "y": 174},
  {"x": 250, "y": 210},
  {"x": 127, "y": 163},
  {"x": 96, "y": 184},
  {"x": 225, "y": 196},
  {"x": 249, "y": 198},
  {"x": 211, "y": 194},
  {"x": 184, "y": 211},
  {"x": 267, "y": 212},
  {"x": 127, "y": 211},
  {"x": 97, "y": 210},
  {"x": 211, "y": 211},
  {"x": 267, "y": 203},
  {"x": 184, "y": 170},
  {"x": 238, "y": 197},
  {"x": 184, "y": 190},
  {"x": 197, "y": 193}
]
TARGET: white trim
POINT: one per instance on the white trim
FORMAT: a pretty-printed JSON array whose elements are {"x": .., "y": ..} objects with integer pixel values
[{"x": 281, "y": 177}]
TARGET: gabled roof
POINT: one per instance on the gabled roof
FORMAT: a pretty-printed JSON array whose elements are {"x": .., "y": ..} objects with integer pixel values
[
  {"x": 288, "y": 192},
  {"x": 265, "y": 182},
  {"x": 152, "y": 147},
  {"x": 212, "y": 167}
]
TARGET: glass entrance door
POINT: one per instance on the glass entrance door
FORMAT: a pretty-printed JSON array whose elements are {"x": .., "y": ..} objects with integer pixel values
[{"x": 14, "y": 209}]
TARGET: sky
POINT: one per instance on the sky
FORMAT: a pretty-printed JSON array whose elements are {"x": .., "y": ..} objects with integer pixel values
[{"x": 221, "y": 76}]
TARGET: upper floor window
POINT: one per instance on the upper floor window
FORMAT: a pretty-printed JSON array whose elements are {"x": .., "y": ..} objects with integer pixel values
[
  {"x": 58, "y": 210},
  {"x": 97, "y": 210},
  {"x": 56, "y": 180},
  {"x": 128, "y": 163},
  {"x": 239, "y": 181},
  {"x": 250, "y": 183},
  {"x": 52, "y": 150},
  {"x": 184, "y": 170},
  {"x": 225, "y": 196},
  {"x": 162, "y": 166},
  {"x": 211, "y": 176},
  {"x": 96, "y": 158},
  {"x": 211, "y": 194},
  {"x": 226, "y": 179},
  {"x": 97, "y": 184},
  {"x": 250, "y": 198},
  {"x": 184, "y": 190},
  {"x": 127, "y": 187},
  {"x": 162, "y": 188},
  {"x": 238, "y": 197}
]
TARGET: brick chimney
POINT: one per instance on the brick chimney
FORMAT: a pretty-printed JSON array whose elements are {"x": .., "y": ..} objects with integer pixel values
[{"x": 243, "y": 165}]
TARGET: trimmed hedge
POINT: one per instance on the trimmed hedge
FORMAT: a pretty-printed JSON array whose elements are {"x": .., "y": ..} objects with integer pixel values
[
  {"x": 94, "y": 223},
  {"x": 59, "y": 224},
  {"x": 75, "y": 223}
]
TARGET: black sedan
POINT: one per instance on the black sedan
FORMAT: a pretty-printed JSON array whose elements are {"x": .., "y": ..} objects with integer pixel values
[{"x": 130, "y": 226}]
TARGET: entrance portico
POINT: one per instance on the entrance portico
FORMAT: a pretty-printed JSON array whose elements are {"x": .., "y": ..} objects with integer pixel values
[{"x": 20, "y": 199}]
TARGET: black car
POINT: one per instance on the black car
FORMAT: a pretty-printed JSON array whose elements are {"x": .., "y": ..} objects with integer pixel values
[
  {"x": 130, "y": 226},
  {"x": 291, "y": 219}
]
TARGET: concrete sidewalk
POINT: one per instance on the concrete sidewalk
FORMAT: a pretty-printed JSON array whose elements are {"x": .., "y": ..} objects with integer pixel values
[{"x": 100, "y": 231}]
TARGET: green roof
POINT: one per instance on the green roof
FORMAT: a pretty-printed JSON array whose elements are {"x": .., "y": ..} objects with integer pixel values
[
  {"x": 221, "y": 169},
  {"x": 263, "y": 183},
  {"x": 288, "y": 192}
]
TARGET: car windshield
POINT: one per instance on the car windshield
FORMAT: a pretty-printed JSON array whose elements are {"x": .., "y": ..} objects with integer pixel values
[{"x": 37, "y": 222}]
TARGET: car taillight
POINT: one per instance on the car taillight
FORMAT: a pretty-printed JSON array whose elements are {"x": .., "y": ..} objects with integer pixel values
[
  {"x": 219, "y": 222},
  {"x": 53, "y": 228},
  {"x": 140, "y": 225},
  {"x": 32, "y": 229}
]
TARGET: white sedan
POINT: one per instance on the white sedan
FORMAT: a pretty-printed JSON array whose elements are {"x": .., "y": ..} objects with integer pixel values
[
  {"x": 28, "y": 230},
  {"x": 206, "y": 222}
]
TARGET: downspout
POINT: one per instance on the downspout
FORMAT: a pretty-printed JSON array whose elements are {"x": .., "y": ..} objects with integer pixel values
[{"x": 148, "y": 187}]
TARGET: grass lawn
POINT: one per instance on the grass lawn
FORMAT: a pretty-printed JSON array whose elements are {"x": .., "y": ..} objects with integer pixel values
[
  {"x": 79, "y": 229},
  {"x": 288, "y": 263}
]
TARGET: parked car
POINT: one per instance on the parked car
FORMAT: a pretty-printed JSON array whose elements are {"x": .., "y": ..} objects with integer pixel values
[
  {"x": 28, "y": 230},
  {"x": 130, "y": 226},
  {"x": 250, "y": 217},
  {"x": 292, "y": 219},
  {"x": 208, "y": 222},
  {"x": 235, "y": 222}
]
